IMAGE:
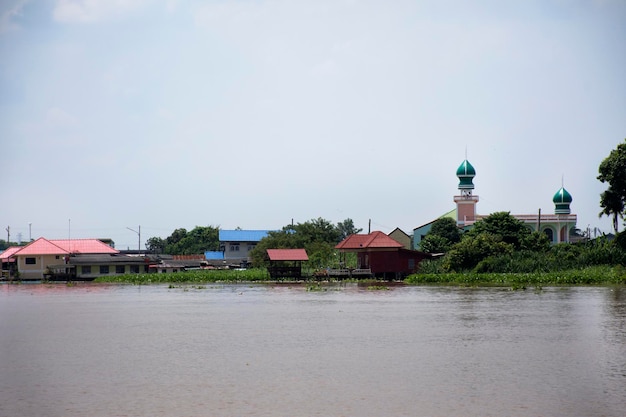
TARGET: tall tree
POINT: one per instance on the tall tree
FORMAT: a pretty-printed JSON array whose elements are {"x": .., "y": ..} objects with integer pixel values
[
  {"x": 347, "y": 228},
  {"x": 156, "y": 245},
  {"x": 612, "y": 170}
]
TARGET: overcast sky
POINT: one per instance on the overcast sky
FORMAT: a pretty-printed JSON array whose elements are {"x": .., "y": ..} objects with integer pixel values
[{"x": 177, "y": 114}]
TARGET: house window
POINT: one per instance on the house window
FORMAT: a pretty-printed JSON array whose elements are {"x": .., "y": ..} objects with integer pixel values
[
  {"x": 104, "y": 269},
  {"x": 120, "y": 269},
  {"x": 234, "y": 248},
  {"x": 134, "y": 269},
  {"x": 87, "y": 269},
  {"x": 31, "y": 261},
  {"x": 57, "y": 257}
]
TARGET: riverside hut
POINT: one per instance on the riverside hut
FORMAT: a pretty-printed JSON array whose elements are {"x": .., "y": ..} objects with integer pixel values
[{"x": 286, "y": 263}]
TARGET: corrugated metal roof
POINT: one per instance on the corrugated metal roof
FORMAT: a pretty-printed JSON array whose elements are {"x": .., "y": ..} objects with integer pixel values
[
  {"x": 375, "y": 239},
  {"x": 214, "y": 255},
  {"x": 242, "y": 235},
  {"x": 84, "y": 246},
  {"x": 4, "y": 256},
  {"x": 44, "y": 246},
  {"x": 287, "y": 255}
]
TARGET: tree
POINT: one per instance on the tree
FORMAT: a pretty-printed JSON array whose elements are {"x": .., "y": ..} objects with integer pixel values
[
  {"x": 318, "y": 230},
  {"x": 317, "y": 236},
  {"x": 612, "y": 170},
  {"x": 346, "y": 228},
  {"x": 433, "y": 243},
  {"x": 471, "y": 250},
  {"x": 181, "y": 242},
  {"x": 442, "y": 235},
  {"x": 156, "y": 245},
  {"x": 506, "y": 227}
]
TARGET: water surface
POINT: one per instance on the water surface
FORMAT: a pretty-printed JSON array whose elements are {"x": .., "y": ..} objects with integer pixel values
[{"x": 256, "y": 350}]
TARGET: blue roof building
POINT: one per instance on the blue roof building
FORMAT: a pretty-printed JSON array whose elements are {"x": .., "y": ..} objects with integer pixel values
[{"x": 237, "y": 244}]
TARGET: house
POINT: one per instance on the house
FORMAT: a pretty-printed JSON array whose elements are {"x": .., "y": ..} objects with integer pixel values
[
  {"x": 8, "y": 261},
  {"x": 286, "y": 263},
  {"x": 382, "y": 255},
  {"x": 237, "y": 244},
  {"x": 71, "y": 259},
  {"x": 87, "y": 267},
  {"x": 400, "y": 236}
]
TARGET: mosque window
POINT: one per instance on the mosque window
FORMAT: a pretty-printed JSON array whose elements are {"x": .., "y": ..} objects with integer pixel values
[{"x": 550, "y": 234}]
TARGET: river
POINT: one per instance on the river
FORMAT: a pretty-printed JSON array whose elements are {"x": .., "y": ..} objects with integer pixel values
[{"x": 280, "y": 350}]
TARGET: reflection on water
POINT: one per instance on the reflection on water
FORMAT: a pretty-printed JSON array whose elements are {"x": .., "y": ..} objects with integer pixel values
[{"x": 232, "y": 350}]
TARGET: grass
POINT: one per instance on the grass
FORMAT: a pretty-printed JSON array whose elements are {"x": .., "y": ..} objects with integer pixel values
[{"x": 595, "y": 275}]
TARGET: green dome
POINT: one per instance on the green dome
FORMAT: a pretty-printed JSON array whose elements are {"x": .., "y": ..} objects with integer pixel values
[
  {"x": 562, "y": 200},
  {"x": 466, "y": 173}
]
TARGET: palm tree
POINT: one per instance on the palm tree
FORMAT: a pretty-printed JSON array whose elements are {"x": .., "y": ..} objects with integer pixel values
[{"x": 612, "y": 205}]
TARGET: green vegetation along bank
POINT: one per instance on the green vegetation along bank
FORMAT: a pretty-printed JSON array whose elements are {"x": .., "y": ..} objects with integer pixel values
[{"x": 596, "y": 275}]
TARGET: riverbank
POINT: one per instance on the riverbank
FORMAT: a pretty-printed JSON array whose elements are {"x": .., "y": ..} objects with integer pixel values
[
  {"x": 593, "y": 275},
  {"x": 596, "y": 275}
]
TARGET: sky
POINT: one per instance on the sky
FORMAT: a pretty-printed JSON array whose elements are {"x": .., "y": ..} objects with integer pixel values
[{"x": 117, "y": 115}]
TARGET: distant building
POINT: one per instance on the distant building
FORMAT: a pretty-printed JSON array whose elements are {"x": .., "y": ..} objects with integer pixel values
[
  {"x": 381, "y": 256},
  {"x": 558, "y": 226},
  {"x": 235, "y": 247},
  {"x": 69, "y": 259},
  {"x": 399, "y": 235}
]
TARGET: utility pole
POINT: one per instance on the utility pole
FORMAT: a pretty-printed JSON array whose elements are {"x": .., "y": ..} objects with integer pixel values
[
  {"x": 8, "y": 235},
  {"x": 138, "y": 231},
  {"x": 30, "y": 234}
]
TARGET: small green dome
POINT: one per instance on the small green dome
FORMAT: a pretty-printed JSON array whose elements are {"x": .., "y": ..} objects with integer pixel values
[
  {"x": 562, "y": 200},
  {"x": 466, "y": 173}
]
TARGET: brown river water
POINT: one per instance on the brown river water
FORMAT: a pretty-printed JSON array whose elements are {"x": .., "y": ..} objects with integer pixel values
[{"x": 270, "y": 350}]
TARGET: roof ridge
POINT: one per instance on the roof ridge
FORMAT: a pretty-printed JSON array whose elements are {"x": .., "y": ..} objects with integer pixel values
[{"x": 372, "y": 236}]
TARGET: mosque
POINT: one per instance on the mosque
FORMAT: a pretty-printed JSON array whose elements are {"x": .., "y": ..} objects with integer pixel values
[{"x": 557, "y": 226}]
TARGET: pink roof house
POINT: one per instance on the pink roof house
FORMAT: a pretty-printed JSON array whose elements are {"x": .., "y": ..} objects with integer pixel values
[{"x": 34, "y": 258}]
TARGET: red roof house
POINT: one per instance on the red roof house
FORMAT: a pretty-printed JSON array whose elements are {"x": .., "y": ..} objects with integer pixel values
[{"x": 384, "y": 256}]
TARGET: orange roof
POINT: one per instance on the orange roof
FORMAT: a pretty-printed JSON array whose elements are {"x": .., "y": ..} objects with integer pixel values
[
  {"x": 44, "y": 246},
  {"x": 375, "y": 239},
  {"x": 287, "y": 255}
]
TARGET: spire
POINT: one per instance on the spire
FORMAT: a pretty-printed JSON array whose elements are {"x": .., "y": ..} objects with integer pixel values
[
  {"x": 466, "y": 174},
  {"x": 562, "y": 199}
]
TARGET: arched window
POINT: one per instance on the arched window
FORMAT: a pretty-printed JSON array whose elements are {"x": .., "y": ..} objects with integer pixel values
[{"x": 549, "y": 233}]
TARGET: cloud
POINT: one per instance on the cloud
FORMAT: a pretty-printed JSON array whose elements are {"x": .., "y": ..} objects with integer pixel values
[
  {"x": 87, "y": 11},
  {"x": 7, "y": 18}
]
